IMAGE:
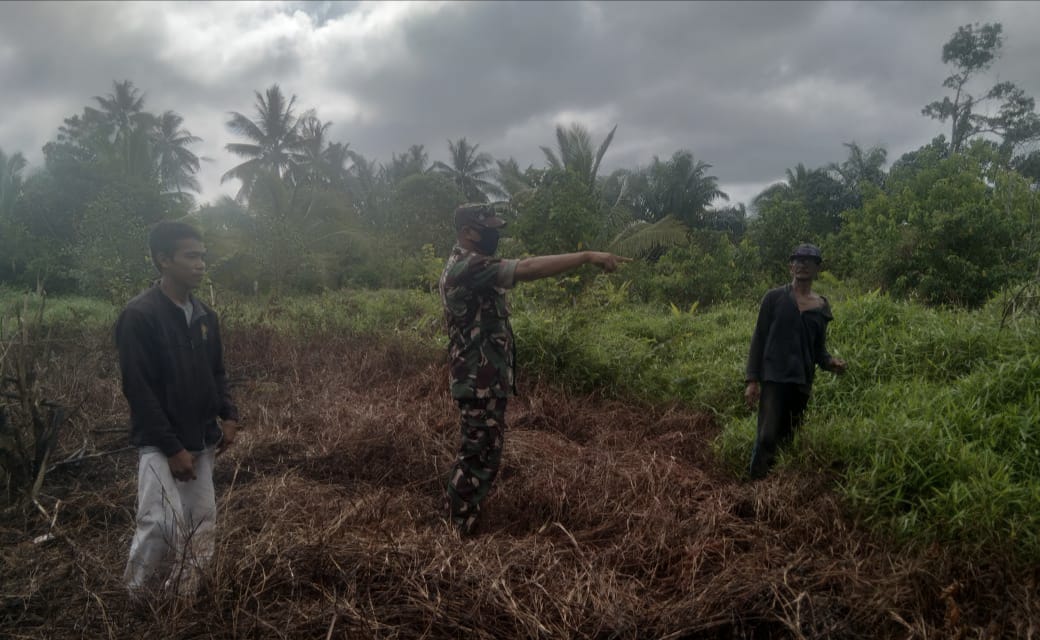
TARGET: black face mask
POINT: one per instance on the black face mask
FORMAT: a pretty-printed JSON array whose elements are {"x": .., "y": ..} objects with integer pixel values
[{"x": 488, "y": 243}]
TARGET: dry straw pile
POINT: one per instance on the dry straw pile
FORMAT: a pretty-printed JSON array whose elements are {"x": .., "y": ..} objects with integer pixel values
[{"x": 608, "y": 521}]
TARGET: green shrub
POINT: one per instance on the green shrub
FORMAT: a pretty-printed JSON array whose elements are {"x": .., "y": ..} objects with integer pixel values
[
  {"x": 948, "y": 229},
  {"x": 710, "y": 270}
]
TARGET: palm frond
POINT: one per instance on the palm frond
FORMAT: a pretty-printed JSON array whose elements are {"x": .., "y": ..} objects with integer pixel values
[
  {"x": 243, "y": 126},
  {"x": 640, "y": 238},
  {"x": 250, "y": 151},
  {"x": 602, "y": 151},
  {"x": 550, "y": 156},
  {"x": 245, "y": 171}
]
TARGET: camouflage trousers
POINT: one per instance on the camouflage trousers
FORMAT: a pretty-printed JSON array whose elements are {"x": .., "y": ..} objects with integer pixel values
[{"x": 483, "y": 427}]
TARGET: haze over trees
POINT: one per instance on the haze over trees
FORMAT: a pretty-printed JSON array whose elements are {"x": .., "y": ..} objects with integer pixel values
[{"x": 951, "y": 223}]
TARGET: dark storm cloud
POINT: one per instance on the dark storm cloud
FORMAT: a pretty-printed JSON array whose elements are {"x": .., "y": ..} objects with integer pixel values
[{"x": 752, "y": 88}]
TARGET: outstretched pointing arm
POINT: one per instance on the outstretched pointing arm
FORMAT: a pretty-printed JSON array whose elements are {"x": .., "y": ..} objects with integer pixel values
[{"x": 546, "y": 266}]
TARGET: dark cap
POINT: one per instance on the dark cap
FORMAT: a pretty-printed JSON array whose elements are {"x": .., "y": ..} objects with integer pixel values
[
  {"x": 479, "y": 215},
  {"x": 807, "y": 251}
]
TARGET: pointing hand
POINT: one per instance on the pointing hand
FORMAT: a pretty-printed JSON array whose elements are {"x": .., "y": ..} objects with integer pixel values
[{"x": 607, "y": 261}]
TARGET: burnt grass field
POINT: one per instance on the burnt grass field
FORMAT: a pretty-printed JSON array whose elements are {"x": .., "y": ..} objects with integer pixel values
[{"x": 609, "y": 520}]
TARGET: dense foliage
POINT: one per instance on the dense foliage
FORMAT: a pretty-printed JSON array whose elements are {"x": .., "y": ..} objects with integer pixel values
[{"x": 951, "y": 223}]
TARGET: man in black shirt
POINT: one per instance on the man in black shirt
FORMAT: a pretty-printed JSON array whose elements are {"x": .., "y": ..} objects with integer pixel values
[
  {"x": 788, "y": 343},
  {"x": 172, "y": 365}
]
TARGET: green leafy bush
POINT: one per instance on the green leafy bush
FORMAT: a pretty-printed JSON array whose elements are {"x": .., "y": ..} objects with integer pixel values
[
  {"x": 948, "y": 230},
  {"x": 708, "y": 270}
]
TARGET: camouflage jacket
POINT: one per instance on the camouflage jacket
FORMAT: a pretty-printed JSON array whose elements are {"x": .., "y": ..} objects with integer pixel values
[{"x": 480, "y": 340}]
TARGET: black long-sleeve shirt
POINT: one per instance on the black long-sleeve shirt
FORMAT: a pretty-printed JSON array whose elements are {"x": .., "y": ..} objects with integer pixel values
[
  {"x": 173, "y": 374},
  {"x": 787, "y": 343}
]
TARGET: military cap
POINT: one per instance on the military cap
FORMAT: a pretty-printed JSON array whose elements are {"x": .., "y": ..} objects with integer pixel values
[{"x": 479, "y": 215}]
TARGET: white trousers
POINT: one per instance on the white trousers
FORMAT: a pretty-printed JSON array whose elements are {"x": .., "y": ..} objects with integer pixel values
[{"x": 176, "y": 522}]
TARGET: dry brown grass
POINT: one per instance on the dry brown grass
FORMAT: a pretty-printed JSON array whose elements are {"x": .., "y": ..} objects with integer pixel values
[{"x": 608, "y": 521}]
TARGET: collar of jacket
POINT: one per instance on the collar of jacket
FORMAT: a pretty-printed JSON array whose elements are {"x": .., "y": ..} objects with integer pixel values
[
  {"x": 198, "y": 310},
  {"x": 825, "y": 309}
]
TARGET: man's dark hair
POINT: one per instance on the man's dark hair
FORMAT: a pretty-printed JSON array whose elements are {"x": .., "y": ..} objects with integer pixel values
[{"x": 164, "y": 237}]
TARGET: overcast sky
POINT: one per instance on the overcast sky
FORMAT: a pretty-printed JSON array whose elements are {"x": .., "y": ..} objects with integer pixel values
[{"x": 751, "y": 88}]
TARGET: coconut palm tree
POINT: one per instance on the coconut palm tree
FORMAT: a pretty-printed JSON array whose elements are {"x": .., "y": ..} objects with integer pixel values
[
  {"x": 176, "y": 164},
  {"x": 512, "y": 181},
  {"x": 121, "y": 112},
  {"x": 667, "y": 199},
  {"x": 679, "y": 187},
  {"x": 274, "y": 139},
  {"x": 122, "y": 121},
  {"x": 340, "y": 165},
  {"x": 469, "y": 171},
  {"x": 861, "y": 166},
  {"x": 409, "y": 163},
  {"x": 795, "y": 183},
  {"x": 321, "y": 165},
  {"x": 370, "y": 187},
  {"x": 574, "y": 152},
  {"x": 823, "y": 197},
  {"x": 310, "y": 164}
]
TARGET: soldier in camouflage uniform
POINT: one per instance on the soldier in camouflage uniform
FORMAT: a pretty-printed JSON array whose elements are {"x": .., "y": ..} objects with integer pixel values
[{"x": 480, "y": 350}]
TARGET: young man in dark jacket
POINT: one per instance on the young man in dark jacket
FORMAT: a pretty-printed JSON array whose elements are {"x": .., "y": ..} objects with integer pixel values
[
  {"x": 788, "y": 343},
  {"x": 172, "y": 365}
]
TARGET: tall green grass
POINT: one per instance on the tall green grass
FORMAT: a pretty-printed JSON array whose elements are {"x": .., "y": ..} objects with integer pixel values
[
  {"x": 933, "y": 434},
  {"x": 411, "y": 313},
  {"x": 937, "y": 426},
  {"x": 648, "y": 354},
  {"x": 67, "y": 311},
  {"x": 390, "y": 312}
]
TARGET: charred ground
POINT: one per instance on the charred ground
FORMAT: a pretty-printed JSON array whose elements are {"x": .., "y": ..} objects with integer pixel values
[{"x": 609, "y": 520}]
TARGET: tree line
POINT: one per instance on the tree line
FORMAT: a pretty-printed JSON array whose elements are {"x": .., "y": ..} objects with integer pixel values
[{"x": 949, "y": 223}]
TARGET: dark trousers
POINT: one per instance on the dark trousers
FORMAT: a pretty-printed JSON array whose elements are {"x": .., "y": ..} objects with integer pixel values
[
  {"x": 480, "y": 453},
  {"x": 781, "y": 408}
]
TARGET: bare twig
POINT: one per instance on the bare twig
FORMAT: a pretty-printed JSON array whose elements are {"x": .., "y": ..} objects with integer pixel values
[{"x": 80, "y": 456}]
